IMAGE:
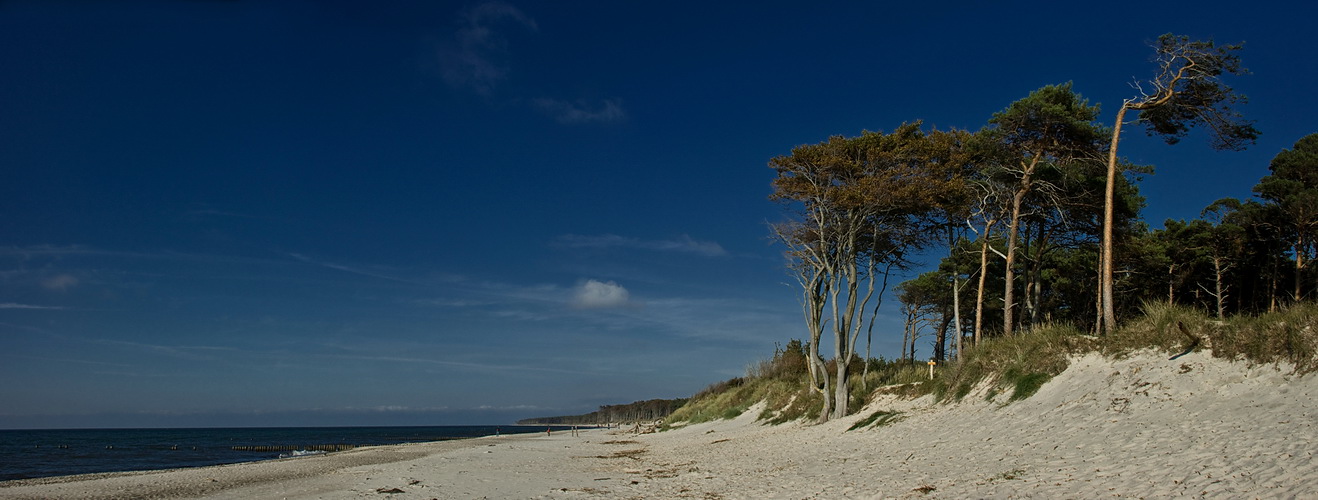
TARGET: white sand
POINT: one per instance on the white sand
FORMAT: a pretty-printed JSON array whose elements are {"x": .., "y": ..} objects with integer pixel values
[{"x": 1142, "y": 427}]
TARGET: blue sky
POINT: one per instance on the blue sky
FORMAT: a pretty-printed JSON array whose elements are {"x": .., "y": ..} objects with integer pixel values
[{"x": 335, "y": 213}]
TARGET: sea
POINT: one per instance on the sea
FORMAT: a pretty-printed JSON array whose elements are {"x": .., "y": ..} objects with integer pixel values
[{"x": 43, "y": 453}]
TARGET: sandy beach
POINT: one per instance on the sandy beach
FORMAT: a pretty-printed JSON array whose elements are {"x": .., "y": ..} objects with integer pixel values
[{"x": 1139, "y": 427}]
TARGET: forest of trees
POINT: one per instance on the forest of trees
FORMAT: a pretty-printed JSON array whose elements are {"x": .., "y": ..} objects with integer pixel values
[
  {"x": 639, "y": 411},
  {"x": 1038, "y": 219}
]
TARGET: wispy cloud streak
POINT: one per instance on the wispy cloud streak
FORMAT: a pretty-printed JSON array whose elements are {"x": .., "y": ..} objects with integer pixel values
[
  {"x": 454, "y": 364},
  {"x": 472, "y": 59},
  {"x": 578, "y": 112},
  {"x": 349, "y": 269},
  {"x": 12, "y": 305},
  {"x": 682, "y": 244}
]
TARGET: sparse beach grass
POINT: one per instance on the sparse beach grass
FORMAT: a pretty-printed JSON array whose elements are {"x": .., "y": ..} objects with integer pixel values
[
  {"x": 1016, "y": 366},
  {"x": 1287, "y": 335}
]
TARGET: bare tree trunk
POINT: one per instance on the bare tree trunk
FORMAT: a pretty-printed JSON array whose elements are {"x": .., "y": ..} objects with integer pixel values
[
  {"x": 1108, "y": 318},
  {"x": 814, "y": 295},
  {"x": 983, "y": 276},
  {"x": 1171, "y": 284},
  {"x": 1098, "y": 297},
  {"x": 820, "y": 380},
  {"x": 869, "y": 331},
  {"x": 813, "y": 271},
  {"x": 1009, "y": 289},
  {"x": 940, "y": 337},
  {"x": 1272, "y": 289},
  {"x": 956, "y": 308},
  {"x": 865, "y": 368},
  {"x": 1220, "y": 294},
  {"x": 906, "y": 333},
  {"x": 846, "y": 322},
  {"x": 1220, "y": 290},
  {"x": 842, "y": 388},
  {"x": 915, "y": 330},
  {"x": 1299, "y": 266},
  {"x": 1034, "y": 280}
]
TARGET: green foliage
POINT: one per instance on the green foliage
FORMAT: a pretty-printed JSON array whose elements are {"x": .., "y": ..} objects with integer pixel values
[
  {"x": 787, "y": 406},
  {"x": 1291, "y": 192},
  {"x": 1024, "y": 384},
  {"x": 1157, "y": 329},
  {"x": 787, "y": 362},
  {"x": 1053, "y": 122},
  {"x": 1289, "y": 336},
  {"x": 781, "y": 381},
  {"x": 1190, "y": 92},
  {"x": 878, "y": 419},
  {"x": 726, "y": 399},
  {"x": 639, "y": 411},
  {"x": 1022, "y": 362}
]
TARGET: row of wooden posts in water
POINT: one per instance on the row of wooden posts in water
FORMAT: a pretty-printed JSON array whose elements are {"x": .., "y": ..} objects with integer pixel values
[{"x": 316, "y": 447}]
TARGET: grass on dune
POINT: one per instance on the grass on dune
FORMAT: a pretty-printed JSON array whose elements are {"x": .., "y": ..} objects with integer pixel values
[{"x": 1018, "y": 365}]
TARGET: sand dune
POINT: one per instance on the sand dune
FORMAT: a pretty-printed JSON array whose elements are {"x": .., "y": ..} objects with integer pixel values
[{"x": 1140, "y": 427}]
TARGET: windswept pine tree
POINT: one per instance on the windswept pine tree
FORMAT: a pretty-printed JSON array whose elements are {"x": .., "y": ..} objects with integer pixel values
[
  {"x": 1187, "y": 91},
  {"x": 858, "y": 207}
]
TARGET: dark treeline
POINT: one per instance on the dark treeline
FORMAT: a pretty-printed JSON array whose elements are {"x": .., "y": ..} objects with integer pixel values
[
  {"x": 640, "y": 411},
  {"x": 1240, "y": 257},
  {"x": 1038, "y": 219}
]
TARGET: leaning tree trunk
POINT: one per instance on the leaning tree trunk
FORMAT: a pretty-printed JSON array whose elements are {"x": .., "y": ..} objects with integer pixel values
[
  {"x": 983, "y": 276},
  {"x": 1299, "y": 267},
  {"x": 979, "y": 295},
  {"x": 1008, "y": 292},
  {"x": 940, "y": 337},
  {"x": 821, "y": 384},
  {"x": 906, "y": 335},
  {"x": 956, "y": 315},
  {"x": 813, "y": 300},
  {"x": 1108, "y": 315}
]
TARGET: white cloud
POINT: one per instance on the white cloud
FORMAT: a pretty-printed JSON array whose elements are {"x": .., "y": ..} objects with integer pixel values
[
  {"x": 683, "y": 244},
  {"x": 606, "y": 111},
  {"x": 472, "y": 58},
  {"x": 598, "y": 294},
  {"x": 60, "y": 283}
]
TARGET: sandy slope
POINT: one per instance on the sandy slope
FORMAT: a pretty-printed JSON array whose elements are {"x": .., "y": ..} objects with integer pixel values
[{"x": 1139, "y": 427}]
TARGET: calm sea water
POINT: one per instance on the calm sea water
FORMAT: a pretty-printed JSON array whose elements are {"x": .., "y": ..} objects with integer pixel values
[{"x": 44, "y": 453}]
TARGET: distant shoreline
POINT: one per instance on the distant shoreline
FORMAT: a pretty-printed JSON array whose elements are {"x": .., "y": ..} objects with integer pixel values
[
  {"x": 30, "y": 454},
  {"x": 1136, "y": 426},
  {"x": 214, "y": 479}
]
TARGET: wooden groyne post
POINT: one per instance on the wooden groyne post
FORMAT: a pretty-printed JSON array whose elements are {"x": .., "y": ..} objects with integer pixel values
[{"x": 316, "y": 447}]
